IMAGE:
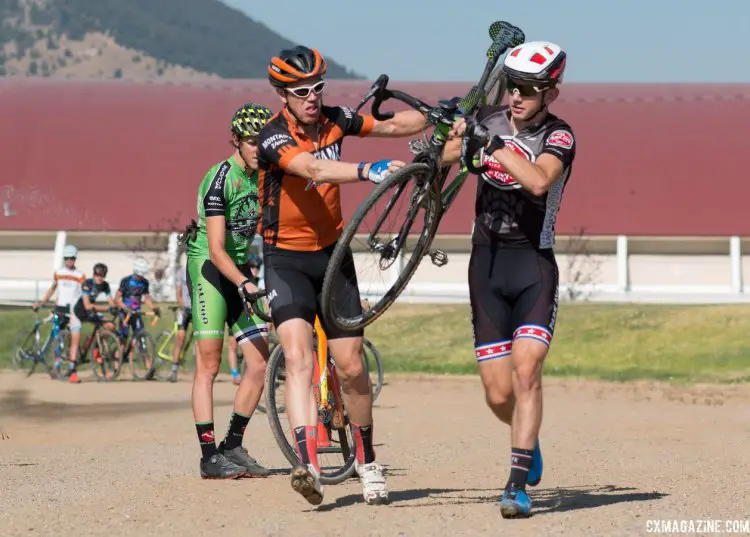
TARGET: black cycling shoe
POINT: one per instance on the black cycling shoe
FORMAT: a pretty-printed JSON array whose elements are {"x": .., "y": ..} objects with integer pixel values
[
  {"x": 219, "y": 467},
  {"x": 240, "y": 457}
]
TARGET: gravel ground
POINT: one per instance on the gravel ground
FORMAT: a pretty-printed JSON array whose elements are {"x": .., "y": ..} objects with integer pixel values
[{"x": 122, "y": 459}]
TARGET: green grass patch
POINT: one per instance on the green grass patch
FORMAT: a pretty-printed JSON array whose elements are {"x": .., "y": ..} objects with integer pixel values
[
  {"x": 604, "y": 341},
  {"x": 600, "y": 341}
]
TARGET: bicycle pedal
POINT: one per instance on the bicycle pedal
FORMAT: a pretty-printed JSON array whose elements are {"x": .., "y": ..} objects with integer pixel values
[{"x": 439, "y": 257}]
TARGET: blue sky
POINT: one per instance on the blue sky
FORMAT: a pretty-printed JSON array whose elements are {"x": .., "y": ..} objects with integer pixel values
[{"x": 607, "y": 40}]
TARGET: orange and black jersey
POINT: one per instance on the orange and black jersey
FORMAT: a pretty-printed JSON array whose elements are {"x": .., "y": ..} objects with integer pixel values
[{"x": 297, "y": 214}]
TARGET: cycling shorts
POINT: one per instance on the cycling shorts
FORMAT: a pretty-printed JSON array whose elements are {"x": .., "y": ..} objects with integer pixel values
[
  {"x": 184, "y": 316},
  {"x": 80, "y": 315},
  {"x": 216, "y": 302},
  {"x": 294, "y": 281},
  {"x": 514, "y": 294}
]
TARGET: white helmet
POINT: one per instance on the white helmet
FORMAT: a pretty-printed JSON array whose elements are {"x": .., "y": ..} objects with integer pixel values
[
  {"x": 140, "y": 267},
  {"x": 70, "y": 251},
  {"x": 539, "y": 63}
]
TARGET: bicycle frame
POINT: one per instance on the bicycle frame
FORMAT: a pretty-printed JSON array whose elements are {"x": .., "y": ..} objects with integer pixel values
[
  {"x": 160, "y": 352},
  {"x": 442, "y": 117}
]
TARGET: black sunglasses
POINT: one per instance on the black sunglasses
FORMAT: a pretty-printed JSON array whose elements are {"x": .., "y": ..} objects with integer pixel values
[{"x": 524, "y": 90}]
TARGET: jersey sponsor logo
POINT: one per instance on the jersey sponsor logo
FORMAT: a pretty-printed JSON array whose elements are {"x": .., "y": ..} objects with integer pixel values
[
  {"x": 202, "y": 304},
  {"x": 221, "y": 175},
  {"x": 332, "y": 152},
  {"x": 561, "y": 138},
  {"x": 214, "y": 198},
  {"x": 245, "y": 220},
  {"x": 276, "y": 141},
  {"x": 496, "y": 174},
  {"x": 348, "y": 112}
]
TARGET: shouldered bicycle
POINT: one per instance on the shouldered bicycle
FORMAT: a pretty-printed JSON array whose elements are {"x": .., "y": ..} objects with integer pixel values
[{"x": 420, "y": 187}]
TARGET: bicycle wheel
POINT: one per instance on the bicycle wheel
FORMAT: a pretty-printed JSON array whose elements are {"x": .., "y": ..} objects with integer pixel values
[
  {"x": 413, "y": 185},
  {"x": 337, "y": 460},
  {"x": 374, "y": 367},
  {"x": 162, "y": 366},
  {"x": 25, "y": 351},
  {"x": 61, "y": 351},
  {"x": 142, "y": 356},
  {"x": 107, "y": 358}
]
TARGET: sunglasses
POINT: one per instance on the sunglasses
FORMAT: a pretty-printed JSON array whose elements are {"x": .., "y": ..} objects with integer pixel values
[
  {"x": 69, "y": 258},
  {"x": 304, "y": 91},
  {"x": 524, "y": 90}
]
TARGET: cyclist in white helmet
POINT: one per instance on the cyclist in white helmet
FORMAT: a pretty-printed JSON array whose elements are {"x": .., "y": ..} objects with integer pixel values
[
  {"x": 527, "y": 154},
  {"x": 134, "y": 290},
  {"x": 67, "y": 282}
]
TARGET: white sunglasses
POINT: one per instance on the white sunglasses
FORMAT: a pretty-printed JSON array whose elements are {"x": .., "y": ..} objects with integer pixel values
[{"x": 304, "y": 91}]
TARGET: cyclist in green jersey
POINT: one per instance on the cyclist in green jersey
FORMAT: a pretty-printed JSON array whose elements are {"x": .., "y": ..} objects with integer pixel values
[{"x": 217, "y": 272}]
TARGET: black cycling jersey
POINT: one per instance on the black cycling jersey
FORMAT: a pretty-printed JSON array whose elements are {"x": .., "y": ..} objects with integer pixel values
[
  {"x": 506, "y": 213},
  {"x": 92, "y": 290}
]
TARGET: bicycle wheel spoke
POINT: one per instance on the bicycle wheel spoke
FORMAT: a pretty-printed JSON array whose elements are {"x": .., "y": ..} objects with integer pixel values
[{"x": 388, "y": 237}]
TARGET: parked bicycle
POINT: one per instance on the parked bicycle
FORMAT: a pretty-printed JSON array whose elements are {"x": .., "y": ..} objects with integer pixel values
[
  {"x": 138, "y": 347},
  {"x": 28, "y": 351},
  {"x": 165, "y": 342},
  {"x": 419, "y": 187},
  {"x": 102, "y": 348}
]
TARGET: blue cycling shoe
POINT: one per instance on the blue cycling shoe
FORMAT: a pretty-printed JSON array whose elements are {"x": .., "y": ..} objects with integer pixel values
[
  {"x": 515, "y": 503},
  {"x": 537, "y": 467}
]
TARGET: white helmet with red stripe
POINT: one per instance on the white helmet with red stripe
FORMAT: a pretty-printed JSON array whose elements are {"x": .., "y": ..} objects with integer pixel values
[{"x": 540, "y": 63}]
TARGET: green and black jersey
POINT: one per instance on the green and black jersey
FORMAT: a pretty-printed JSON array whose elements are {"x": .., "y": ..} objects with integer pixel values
[{"x": 228, "y": 191}]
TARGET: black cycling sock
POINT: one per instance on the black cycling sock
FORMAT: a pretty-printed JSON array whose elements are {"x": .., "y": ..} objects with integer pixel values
[
  {"x": 363, "y": 443},
  {"x": 236, "y": 431},
  {"x": 520, "y": 462},
  {"x": 206, "y": 439}
]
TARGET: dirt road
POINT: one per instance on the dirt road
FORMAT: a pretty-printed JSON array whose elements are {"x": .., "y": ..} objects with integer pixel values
[{"x": 122, "y": 460}]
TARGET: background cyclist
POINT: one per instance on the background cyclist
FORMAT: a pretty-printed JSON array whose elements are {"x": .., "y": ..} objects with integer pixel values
[
  {"x": 67, "y": 282},
  {"x": 133, "y": 291},
  {"x": 86, "y": 309},
  {"x": 217, "y": 274}
]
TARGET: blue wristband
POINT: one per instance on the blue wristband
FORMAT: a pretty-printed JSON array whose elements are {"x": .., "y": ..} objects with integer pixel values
[{"x": 360, "y": 168}]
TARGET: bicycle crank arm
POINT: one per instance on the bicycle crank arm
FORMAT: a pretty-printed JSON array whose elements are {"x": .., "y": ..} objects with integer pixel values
[{"x": 439, "y": 257}]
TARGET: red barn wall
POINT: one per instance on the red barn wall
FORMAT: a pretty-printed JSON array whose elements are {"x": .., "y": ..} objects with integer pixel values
[{"x": 121, "y": 156}]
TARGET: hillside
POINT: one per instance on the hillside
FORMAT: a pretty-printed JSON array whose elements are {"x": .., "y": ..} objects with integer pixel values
[{"x": 136, "y": 39}]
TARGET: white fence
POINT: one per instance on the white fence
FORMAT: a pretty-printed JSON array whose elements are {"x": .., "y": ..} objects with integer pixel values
[{"x": 635, "y": 269}]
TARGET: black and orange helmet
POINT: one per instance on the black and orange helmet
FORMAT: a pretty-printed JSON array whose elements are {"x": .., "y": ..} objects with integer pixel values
[{"x": 292, "y": 65}]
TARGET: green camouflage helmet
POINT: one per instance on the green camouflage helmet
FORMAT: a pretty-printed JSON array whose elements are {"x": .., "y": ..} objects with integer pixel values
[{"x": 248, "y": 120}]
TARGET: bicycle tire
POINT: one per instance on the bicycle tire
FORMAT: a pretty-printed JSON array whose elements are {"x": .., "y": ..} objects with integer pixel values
[
  {"x": 378, "y": 386},
  {"x": 137, "y": 358},
  {"x": 340, "y": 252},
  {"x": 61, "y": 349},
  {"x": 340, "y": 474},
  {"x": 161, "y": 364},
  {"x": 25, "y": 349},
  {"x": 111, "y": 356}
]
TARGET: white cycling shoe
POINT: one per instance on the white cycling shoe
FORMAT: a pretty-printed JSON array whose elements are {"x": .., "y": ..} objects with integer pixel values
[{"x": 374, "y": 488}]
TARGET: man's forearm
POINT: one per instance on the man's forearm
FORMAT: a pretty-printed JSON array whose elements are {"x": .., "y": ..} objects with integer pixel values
[
  {"x": 332, "y": 171},
  {"x": 404, "y": 123},
  {"x": 220, "y": 258},
  {"x": 530, "y": 176}
]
